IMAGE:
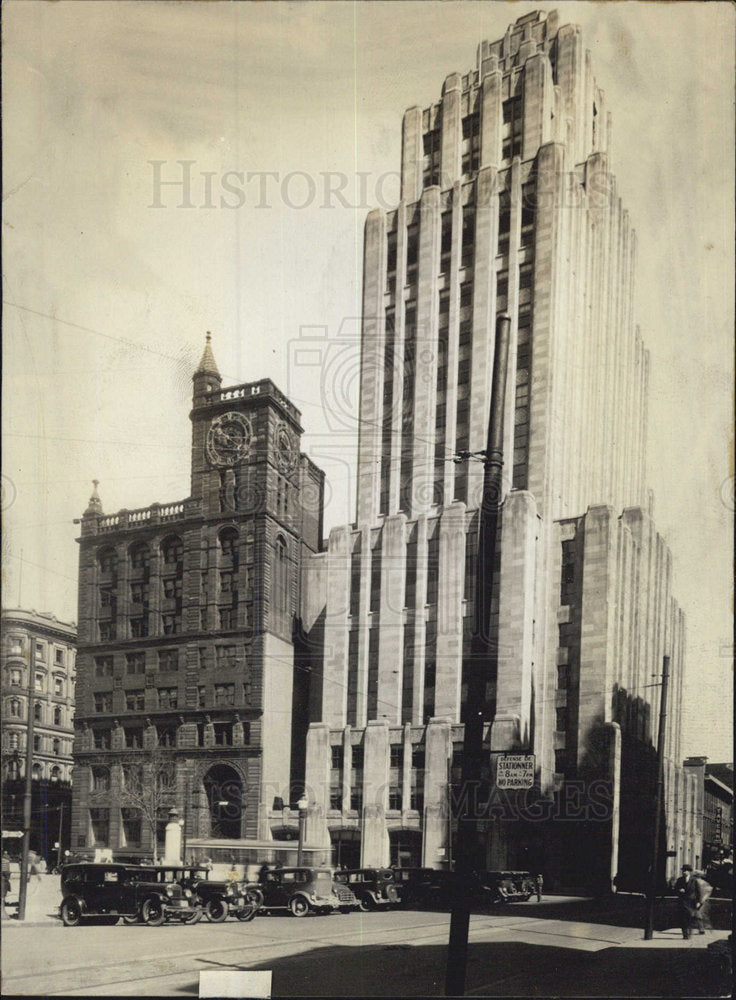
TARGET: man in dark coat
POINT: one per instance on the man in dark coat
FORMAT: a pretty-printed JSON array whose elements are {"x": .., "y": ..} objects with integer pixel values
[{"x": 690, "y": 900}]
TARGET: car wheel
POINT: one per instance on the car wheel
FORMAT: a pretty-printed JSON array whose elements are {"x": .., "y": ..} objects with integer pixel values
[
  {"x": 71, "y": 913},
  {"x": 254, "y": 896},
  {"x": 153, "y": 913},
  {"x": 193, "y": 918},
  {"x": 216, "y": 911},
  {"x": 247, "y": 911},
  {"x": 366, "y": 904},
  {"x": 299, "y": 906}
]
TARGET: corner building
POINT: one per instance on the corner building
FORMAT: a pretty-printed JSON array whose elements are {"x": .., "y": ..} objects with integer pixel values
[
  {"x": 508, "y": 205},
  {"x": 186, "y": 624},
  {"x": 38, "y": 650}
]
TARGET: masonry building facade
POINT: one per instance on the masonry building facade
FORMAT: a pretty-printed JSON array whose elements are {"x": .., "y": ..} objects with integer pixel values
[
  {"x": 185, "y": 693},
  {"x": 38, "y": 691}
]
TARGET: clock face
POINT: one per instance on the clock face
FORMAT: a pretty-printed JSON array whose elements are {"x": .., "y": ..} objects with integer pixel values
[
  {"x": 229, "y": 439},
  {"x": 285, "y": 449}
]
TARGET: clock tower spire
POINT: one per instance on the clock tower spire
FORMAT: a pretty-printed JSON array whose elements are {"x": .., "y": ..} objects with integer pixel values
[{"x": 207, "y": 377}]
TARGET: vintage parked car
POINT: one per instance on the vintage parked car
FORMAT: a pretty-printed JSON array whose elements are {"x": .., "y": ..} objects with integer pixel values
[
  {"x": 372, "y": 887},
  {"x": 217, "y": 899},
  {"x": 304, "y": 890},
  {"x": 415, "y": 885},
  {"x": 101, "y": 893},
  {"x": 508, "y": 886}
]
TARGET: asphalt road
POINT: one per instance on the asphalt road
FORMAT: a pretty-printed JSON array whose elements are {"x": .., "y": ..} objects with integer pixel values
[{"x": 518, "y": 952}]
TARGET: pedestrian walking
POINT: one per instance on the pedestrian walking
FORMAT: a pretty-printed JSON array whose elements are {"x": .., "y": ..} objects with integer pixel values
[
  {"x": 690, "y": 897},
  {"x": 703, "y": 890},
  {"x": 6, "y": 874},
  {"x": 540, "y": 886}
]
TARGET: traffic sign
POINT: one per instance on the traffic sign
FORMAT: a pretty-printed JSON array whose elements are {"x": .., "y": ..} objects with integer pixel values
[{"x": 516, "y": 770}]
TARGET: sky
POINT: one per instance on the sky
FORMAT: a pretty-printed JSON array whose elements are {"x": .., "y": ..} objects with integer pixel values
[{"x": 172, "y": 168}]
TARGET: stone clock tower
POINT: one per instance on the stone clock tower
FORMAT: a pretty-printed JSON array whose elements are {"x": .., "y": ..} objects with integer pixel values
[{"x": 188, "y": 613}]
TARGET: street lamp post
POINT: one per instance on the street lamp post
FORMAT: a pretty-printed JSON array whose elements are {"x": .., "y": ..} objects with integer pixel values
[
  {"x": 302, "y": 805},
  {"x": 475, "y": 666},
  {"x": 652, "y": 888},
  {"x": 23, "y": 890}
]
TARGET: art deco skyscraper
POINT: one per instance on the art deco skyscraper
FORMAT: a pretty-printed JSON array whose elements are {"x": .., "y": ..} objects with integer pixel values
[{"x": 508, "y": 204}]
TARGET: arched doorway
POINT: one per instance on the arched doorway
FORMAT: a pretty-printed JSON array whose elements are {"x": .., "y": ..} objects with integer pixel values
[
  {"x": 345, "y": 848},
  {"x": 406, "y": 848},
  {"x": 224, "y": 788}
]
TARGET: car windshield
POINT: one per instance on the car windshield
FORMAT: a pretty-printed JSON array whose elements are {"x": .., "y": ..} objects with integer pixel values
[{"x": 323, "y": 875}]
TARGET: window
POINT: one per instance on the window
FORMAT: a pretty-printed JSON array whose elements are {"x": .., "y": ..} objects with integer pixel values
[
  {"x": 226, "y": 582},
  {"x": 470, "y": 149},
  {"x": 468, "y": 237},
  {"x": 412, "y": 246},
  {"x": 446, "y": 243},
  {"x": 356, "y": 799},
  {"x": 172, "y": 588},
  {"x": 16, "y": 678},
  {"x": 357, "y": 762},
  {"x": 227, "y": 618},
  {"x": 431, "y": 161},
  {"x": 394, "y": 797},
  {"x": 14, "y": 708},
  {"x": 561, "y": 720},
  {"x": 57, "y": 716},
  {"x": 103, "y": 701},
  {"x": 37, "y": 712},
  {"x": 223, "y": 734},
  {"x": 391, "y": 253},
  {"x": 229, "y": 546},
  {"x": 335, "y": 797},
  {"x": 59, "y": 657},
  {"x": 417, "y": 801},
  {"x": 56, "y": 747},
  {"x": 225, "y": 656},
  {"x": 139, "y": 627},
  {"x": 103, "y": 666},
  {"x": 504, "y": 221},
  {"x": 132, "y": 826},
  {"x": 417, "y": 757},
  {"x": 397, "y": 755},
  {"x": 281, "y": 580},
  {"x": 37, "y": 743},
  {"x": 133, "y": 739},
  {"x": 40, "y": 650},
  {"x": 107, "y": 560},
  {"x": 107, "y": 598},
  {"x": 40, "y": 682},
  {"x": 139, "y": 556},
  {"x": 172, "y": 551},
  {"x": 337, "y": 757},
  {"x": 201, "y": 696},
  {"x": 135, "y": 700},
  {"x": 202, "y": 654},
  {"x": 168, "y": 697},
  {"x": 100, "y": 824},
  {"x": 14, "y": 741},
  {"x": 171, "y": 624},
  {"x": 512, "y": 130},
  {"x": 55, "y": 773},
  {"x": 528, "y": 213},
  {"x": 224, "y": 694},
  {"x": 107, "y": 631},
  {"x": 139, "y": 593},
  {"x": 101, "y": 739},
  {"x": 135, "y": 663},
  {"x": 36, "y": 772},
  {"x": 168, "y": 660},
  {"x": 58, "y": 687},
  {"x": 100, "y": 779}
]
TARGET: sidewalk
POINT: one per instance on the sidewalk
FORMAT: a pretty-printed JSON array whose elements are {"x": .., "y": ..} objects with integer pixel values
[{"x": 42, "y": 902}]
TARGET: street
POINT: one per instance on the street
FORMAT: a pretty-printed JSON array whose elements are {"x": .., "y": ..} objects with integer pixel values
[{"x": 524, "y": 949}]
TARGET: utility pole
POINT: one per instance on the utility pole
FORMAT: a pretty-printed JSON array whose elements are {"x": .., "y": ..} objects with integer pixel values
[
  {"x": 23, "y": 890},
  {"x": 651, "y": 894},
  {"x": 475, "y": 668},
  {"x": 61, "y": 821}
]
